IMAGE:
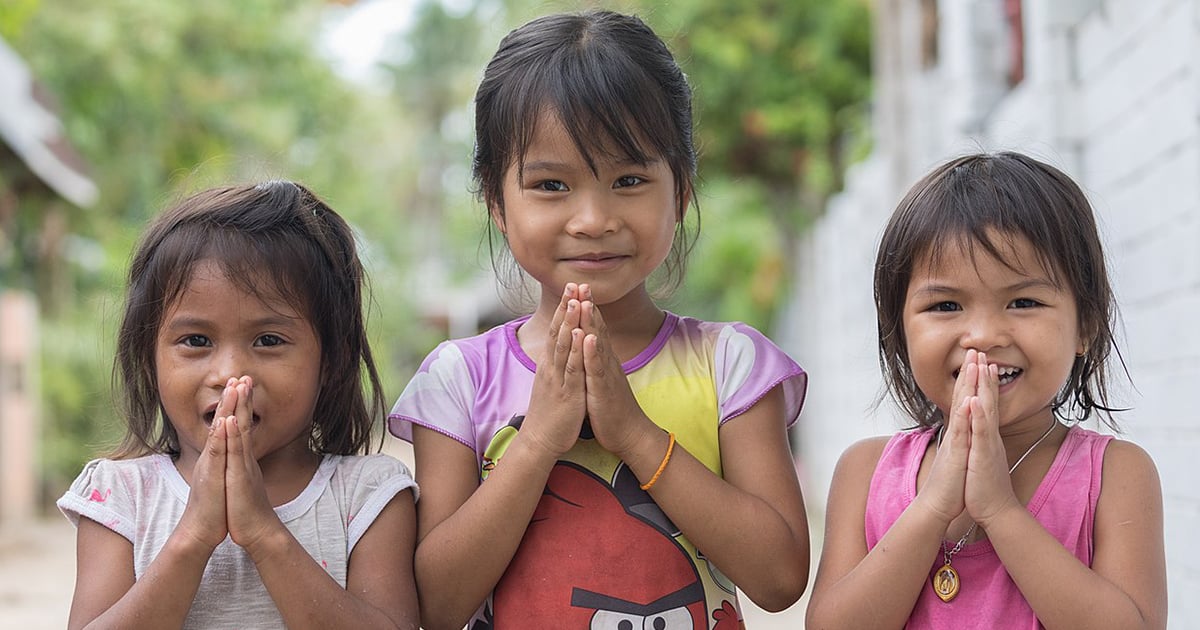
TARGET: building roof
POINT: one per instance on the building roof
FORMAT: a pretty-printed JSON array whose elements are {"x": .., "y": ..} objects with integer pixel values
[{"x": 29, "y": 126}]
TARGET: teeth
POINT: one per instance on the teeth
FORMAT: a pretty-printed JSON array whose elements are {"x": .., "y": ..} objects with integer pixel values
[{"x": 1007, "y": 374}]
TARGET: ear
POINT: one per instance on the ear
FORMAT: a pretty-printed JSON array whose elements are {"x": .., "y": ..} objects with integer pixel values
[
  {"x": 684, "y": 203},
  {"x": 496, "y": 211}
]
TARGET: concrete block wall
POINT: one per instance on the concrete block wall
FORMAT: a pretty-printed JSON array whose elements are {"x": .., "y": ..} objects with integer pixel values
[{"x": 1112, "y": 96}]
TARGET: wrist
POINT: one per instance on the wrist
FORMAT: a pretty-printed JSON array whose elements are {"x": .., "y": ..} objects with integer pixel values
[{"x": 272, "y": 543}]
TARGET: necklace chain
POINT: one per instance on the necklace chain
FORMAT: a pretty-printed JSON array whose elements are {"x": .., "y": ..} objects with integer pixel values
[{"x": 947, "y": 554}]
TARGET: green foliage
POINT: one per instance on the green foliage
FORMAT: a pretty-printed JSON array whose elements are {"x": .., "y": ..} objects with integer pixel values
[
  {"x": 164, "y": 98},
  {"x": 781, "y": 99}
]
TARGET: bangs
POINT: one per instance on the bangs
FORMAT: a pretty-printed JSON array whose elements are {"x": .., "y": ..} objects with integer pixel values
[{"x": 269, "y": 267}]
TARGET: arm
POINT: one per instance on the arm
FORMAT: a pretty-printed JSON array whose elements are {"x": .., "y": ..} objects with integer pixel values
[
  {"x": 305, "y": 594},
  {"x": 379, "y": 592},
  {"x": 752, "y": 523},
  {"x": 1126, "y": 585},
  {"x": 857, "y": 588},
  {"x": 468, "y": 532},
  {"x": 106, "y": 595},
  {"x": 877, "y": 588}
]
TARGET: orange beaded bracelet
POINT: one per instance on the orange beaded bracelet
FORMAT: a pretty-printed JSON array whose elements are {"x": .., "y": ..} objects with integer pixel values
[{"x": 666, "y": 458}]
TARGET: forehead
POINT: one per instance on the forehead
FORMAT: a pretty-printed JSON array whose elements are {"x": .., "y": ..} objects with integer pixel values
[
  {"x": 549, "y": 135},
  {"x": 210, "y": 286},
  {"x": 1000, "y": 253}
]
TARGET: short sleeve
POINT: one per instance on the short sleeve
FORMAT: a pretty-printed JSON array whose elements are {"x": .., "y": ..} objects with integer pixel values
[
  {"x": 103, "y": 493},
  {"x": 372, "y": 481},
  {"x": 748, "y": 365},
  {"x": 440, "y": 396}
]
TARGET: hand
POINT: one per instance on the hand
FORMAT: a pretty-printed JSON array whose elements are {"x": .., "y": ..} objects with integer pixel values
[
  {"x": 556, "y": 402},
  {"x": 617, "y": 419},
  {"x": 203, "y": 518},
  {"x": 989, "y": 485},
  {"x": 944, "y": 489},
  {"x": 249, "y": 514}
]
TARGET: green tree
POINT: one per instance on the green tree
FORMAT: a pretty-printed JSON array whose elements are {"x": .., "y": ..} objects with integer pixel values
[{"x": 163, "y": 98}]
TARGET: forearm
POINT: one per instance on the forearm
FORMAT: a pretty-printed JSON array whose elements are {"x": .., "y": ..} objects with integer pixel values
[
  {"x": 881, "y": 589},
  {"x": 770, "y": 567},
  {"x": 305, "y": 594},
  {"x": 459, "y": 561},
  {"x": 1039, "y": 564},
  {"x": 163, "y": 595}
]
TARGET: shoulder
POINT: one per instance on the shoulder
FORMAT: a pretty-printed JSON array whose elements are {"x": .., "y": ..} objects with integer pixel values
[
  {"x": 373, "y": 473},
  {"x": 863, "y": 454},
  {"x": 109, "y": 491},
  {"x": 1128, "y": 465},
  {"x": 108, "y": 472}
]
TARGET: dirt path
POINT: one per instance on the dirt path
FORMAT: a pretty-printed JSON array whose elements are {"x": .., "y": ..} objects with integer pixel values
[{"x": 37, "y": 574}]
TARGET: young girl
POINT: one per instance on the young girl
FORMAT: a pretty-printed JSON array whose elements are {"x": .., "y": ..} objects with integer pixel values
[
  {"x": 995, "y": 326},
  {"x": 600, "y": 462},
  {"x": 236, "y": 499}
]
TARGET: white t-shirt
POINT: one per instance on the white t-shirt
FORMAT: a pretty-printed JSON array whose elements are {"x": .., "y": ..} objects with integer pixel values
[{"x": 143, "y": 499}]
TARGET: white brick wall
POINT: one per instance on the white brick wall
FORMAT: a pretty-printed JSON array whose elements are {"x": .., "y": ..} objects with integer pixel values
[{"x": 1111, "y": 95}]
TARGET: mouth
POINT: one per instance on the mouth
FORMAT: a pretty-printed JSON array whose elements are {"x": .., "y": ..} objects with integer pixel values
[
  {"x": 598, "y": 257},
  {"x": 1007, "y": 374},
  {"x": 211, "y": 415}
]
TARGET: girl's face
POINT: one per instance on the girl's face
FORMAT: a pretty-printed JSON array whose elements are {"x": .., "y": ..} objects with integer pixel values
[
  {"x": 216, "y": 330},
  {"x": 1027, "y": 326},
  {"x": 563, "y": 223}
]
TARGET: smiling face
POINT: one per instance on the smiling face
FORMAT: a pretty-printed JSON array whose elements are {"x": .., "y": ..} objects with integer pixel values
[
  {"x": 1026, "y": 324},
  {"x": 564, "y": 223},
  {"x": 215, "y": 330}
]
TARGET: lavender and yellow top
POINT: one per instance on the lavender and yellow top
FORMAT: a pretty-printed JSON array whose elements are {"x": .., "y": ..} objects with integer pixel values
[{"x": 598, "y": 549}]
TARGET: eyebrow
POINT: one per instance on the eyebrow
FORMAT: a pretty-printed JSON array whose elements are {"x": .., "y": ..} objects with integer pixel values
[
  {"x": 200, "y": 322},
  {"x": 554, "y": 165},
  {"x": 1016, "y": 287}
]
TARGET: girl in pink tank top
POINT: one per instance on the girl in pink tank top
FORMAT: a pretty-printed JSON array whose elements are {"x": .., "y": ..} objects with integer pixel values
[{"x": 995, "y": 329}]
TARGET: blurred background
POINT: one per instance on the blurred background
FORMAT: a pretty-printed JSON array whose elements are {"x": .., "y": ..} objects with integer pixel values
[{"x": 813, "y": 117}]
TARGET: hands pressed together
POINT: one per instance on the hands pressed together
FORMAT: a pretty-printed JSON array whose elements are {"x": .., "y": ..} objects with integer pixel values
[
  {"x": 228, "y": 496},
  {"x": 970, "y": 469},
  {"x": 581, "y": 380}
]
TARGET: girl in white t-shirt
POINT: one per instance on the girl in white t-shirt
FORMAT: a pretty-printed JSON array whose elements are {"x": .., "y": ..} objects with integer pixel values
[{"x": 238, "y": 497}]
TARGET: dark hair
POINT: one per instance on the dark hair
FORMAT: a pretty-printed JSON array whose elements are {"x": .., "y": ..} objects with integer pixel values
[
  {"x": 970, "y": 202},
  {"x": 610, "y": 80},
  {"x": 271, "y": 238}
]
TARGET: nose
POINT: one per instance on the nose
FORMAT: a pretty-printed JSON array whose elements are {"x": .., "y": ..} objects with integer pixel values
[
  {"x": 227, "y": 362},
  {"x": 986, "y": 331},
  {"x": 590, "y": 217}
]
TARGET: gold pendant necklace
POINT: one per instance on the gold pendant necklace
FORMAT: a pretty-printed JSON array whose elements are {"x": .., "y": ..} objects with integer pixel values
[{"x": 946, "y": 582}]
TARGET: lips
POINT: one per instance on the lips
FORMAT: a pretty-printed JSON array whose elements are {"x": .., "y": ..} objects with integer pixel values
[
  {"x": 211, "y": 414},
  {"x": 1007, "y": 373}
]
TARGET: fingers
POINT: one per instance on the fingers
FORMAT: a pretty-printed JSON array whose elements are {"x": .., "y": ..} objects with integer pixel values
[
  {"x": 570, "y": 292},
  {"x": 967, "y": 382},
  {"x": 987, "y": 416}
]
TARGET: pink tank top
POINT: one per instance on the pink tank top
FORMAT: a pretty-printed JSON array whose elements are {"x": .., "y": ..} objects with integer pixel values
[{"x": 1064, "y": 503}]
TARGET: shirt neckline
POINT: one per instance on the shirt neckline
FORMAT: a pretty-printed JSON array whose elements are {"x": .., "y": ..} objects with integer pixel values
[
  {"x": 286, "y": 512},
  {"x": 670, "y": 321}
]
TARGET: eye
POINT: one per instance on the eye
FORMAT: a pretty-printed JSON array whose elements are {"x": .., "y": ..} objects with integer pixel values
[
  {"x": 1024, "y": 303},
  {"x": 626, "y": 181},
  {"x": 268, "y": 340},
  {"x": 196, "y": 341},
  {"x": 551, "y": 185},
  {"x": 945, "y": 307}
]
